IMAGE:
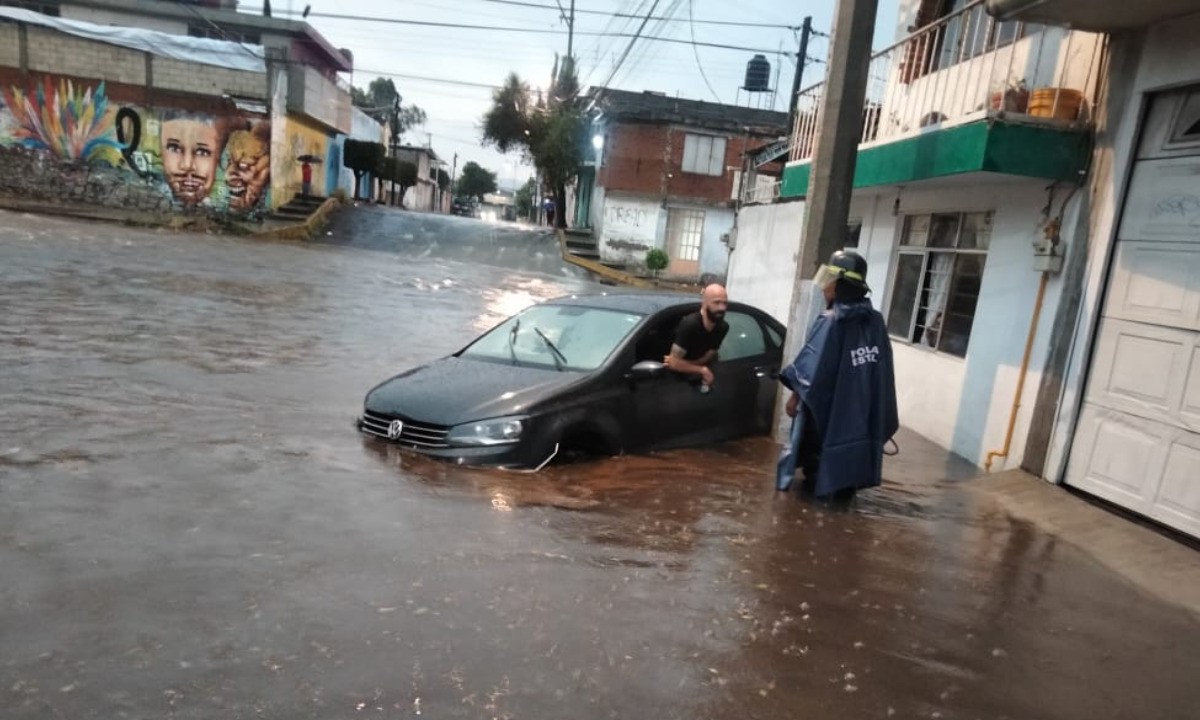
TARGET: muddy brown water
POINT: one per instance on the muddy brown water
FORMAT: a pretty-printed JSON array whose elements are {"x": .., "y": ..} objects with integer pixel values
[{"x": 191, "y": 528}]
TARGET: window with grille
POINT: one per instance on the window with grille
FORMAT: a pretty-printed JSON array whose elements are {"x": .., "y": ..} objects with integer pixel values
[
  {"x": 936, "y": 283},
  {"x": 684, "y": 230},
  {"x": 704, "y": 154}
]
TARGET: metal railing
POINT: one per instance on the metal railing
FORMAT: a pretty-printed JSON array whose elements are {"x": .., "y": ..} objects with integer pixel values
[
  {"x": 761, "y": 192},
  {"x": 964, "y": 67}
]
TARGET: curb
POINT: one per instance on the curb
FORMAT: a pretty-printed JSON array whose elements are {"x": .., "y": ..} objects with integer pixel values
[
  {"x": 306, "y": 229},
  {"x": 617, "y": 276}
]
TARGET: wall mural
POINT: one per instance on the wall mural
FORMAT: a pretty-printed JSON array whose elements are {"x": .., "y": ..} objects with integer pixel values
[{"x": 60, "y": 140}]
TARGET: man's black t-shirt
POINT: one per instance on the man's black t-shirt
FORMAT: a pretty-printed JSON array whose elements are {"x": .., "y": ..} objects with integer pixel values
[{"x": 692, "y": 336}]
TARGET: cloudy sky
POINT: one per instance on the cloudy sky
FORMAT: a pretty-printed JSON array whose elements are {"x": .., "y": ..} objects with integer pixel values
[{"x": 448, "y": 71}]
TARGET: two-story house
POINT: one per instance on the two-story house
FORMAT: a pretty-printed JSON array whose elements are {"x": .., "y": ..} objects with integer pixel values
[
  {"x": 666, "y": 175},
  {"x": 1026, "y": 195}
]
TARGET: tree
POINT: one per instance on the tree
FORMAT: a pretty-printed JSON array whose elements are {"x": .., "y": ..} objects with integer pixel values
[
  {"x": 383, "y": 102},
  {"x": 406, "y": 176},
  {"x": 549, "y": 131},
  {"x": 526, "y": 200},
  {"x": 362, "y": 157},
  {"x": 475, "y": 181},
  {"x": 443, "y": 180}
]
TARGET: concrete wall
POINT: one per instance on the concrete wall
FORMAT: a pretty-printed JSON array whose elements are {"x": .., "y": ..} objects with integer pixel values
[
  {"x": 1159, "y": 58},
  {"x": 136, "y": 142},
  {"x": 763, "y": 262},
  {"x": 964, "y": 403},
  {"x": 301, "y": 136},
  {"x": 631, "y": 225},
  {"x": 10, "y": 48},
  {"x": 961, "y": 403},
  {"x": 362, "y": 127}
]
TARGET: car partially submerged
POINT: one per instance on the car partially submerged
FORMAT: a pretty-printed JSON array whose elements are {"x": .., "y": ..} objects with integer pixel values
[{"x": 580, "y": 375}]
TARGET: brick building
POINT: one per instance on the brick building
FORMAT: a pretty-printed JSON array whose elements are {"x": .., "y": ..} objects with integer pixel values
[{"x": 665, "y": 175}]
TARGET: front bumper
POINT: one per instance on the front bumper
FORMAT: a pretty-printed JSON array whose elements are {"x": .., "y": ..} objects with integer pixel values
[{"x": 430, "y": 441}]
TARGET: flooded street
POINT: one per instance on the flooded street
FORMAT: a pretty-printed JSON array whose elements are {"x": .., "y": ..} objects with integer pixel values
[{"x": 190, "y": 527}]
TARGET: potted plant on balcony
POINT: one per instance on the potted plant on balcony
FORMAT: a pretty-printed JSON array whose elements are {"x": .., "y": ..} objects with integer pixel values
[{"x": 1013, "y": 98}]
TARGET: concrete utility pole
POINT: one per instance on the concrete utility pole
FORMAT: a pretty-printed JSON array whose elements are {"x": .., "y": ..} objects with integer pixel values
[
  {"x": 801, "y": 61},
  {"x": 831, "y": 178}
]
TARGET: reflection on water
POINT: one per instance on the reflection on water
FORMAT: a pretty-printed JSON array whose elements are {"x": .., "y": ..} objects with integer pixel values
[{"x": 513, "y": 294}]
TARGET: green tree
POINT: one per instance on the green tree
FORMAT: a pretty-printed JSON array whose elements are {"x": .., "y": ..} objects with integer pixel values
[
  {"x": 548, "y": 131},
  {"x": 526, "y": 199},
  {"x": 475, "y": 181},
  {"x": 361, "y": 158},
  {"x": 382, "y": 101},
  {"x": 406, "y": 177},
  {"x": 443, "y": 180}
]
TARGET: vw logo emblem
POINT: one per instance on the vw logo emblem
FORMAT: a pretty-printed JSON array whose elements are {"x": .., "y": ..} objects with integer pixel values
[{"x": 394, "y": 429}]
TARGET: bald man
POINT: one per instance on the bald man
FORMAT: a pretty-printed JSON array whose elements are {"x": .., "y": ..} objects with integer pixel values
[{"x": 699, "y": 336}]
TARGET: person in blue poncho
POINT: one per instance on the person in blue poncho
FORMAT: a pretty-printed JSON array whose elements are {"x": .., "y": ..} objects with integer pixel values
[{"x": 843, "y": 401}]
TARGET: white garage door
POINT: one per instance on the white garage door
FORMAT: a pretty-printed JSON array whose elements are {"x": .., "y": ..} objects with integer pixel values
[{"x": 1138, "y": 439}]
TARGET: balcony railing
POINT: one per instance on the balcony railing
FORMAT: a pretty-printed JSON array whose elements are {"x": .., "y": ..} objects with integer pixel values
[
  {"x": 964, "y": 67},
  {"x": 763, "y": 190}
]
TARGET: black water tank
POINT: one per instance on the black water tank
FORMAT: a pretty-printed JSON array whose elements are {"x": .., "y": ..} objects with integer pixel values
[{"x": 758, "y": 74}]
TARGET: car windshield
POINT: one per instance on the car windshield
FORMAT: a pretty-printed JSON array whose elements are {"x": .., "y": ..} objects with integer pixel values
[{"x": 562, "y": 337}]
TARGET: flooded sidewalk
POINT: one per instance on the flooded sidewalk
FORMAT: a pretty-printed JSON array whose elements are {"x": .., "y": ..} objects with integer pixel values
[{"x": 190, "y": 527}]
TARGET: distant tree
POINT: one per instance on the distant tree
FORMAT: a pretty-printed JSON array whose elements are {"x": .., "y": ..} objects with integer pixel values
[
  {"x": 548, "y": 131},
  {"x": 382, "y": 101},
  {"x": 475, "y": 181},
  {"x": 443, "y": 180},
  {"x": 526, "y": 199},
  {"x": 406, "y": 177},
  {"x": 362, "y": 157}
]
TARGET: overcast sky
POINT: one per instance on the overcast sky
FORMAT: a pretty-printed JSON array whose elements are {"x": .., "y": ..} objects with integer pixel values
[{"x": 487, "y": 56}]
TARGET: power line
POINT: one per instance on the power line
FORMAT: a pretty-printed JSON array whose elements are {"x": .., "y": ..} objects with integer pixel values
[
  {"x": 220, "y": 30},
  {"x": 696, "y": 52},
  {"x": 464, "y": 83},
  {"x": 630, "y": 45},
  {"x": 730, "y": 23},
  {"x": 533, "y": 31}
]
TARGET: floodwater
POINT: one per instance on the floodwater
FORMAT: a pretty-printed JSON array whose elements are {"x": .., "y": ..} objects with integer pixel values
[{"x": 191, "y": 528}]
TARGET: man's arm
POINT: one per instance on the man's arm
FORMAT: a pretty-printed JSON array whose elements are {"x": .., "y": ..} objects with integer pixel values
[{"x": 675, "y": 361}]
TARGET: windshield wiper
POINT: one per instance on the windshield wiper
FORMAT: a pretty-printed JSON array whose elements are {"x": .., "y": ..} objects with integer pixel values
[
  {"x": 512, "y": 340},
  {"x": 559, "y": 359}
]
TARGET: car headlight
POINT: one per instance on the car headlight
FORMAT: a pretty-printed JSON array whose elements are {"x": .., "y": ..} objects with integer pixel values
[{"x": 497, "y": 431}]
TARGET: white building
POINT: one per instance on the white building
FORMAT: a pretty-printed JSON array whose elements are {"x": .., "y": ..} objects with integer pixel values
[{"x": 989, "y": 221}]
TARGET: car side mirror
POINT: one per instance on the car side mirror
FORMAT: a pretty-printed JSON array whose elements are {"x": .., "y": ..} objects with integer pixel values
[{"x": 647, "y": 369}]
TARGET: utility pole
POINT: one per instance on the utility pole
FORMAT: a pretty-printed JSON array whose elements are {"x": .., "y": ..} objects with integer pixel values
[
  {"x": 571, "y": 33},
  {"x": 801, "y": 61},
  {"x": 831, "y": 175},
  {"x": 453, "y": 172}
]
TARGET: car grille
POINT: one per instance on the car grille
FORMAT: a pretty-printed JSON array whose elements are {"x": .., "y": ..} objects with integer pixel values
[{"x": 414, "y": 434}]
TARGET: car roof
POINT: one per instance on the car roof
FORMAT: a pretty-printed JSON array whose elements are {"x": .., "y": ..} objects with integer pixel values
[{"x": 644, "y": 302}]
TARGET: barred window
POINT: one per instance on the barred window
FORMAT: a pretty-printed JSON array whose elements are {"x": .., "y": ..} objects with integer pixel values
[{"x": 936, "y": 282}]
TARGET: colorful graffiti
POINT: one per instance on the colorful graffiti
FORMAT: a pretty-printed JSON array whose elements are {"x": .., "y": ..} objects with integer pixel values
[
  {"x": 173, "y": 159},
  {"x": 74, "y": 124}
]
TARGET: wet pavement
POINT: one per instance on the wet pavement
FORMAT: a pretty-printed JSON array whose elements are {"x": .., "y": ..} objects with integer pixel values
[{"x": 191, "y": 528}]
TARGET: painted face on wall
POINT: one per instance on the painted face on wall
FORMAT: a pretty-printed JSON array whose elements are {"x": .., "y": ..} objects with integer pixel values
[
  {"x": 248, "y": 171},
  {"x": 190, "y": 151}
]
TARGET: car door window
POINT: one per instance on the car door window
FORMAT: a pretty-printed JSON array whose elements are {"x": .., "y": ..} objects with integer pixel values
[
  {"x": 745, "y": 338},
  {"x": 655, "y": 343}
]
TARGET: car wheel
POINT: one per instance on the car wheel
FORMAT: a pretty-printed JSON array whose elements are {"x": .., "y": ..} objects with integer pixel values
[{"x": 584, "y": 443}]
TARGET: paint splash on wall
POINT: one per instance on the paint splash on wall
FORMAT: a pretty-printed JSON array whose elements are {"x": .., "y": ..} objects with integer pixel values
[{"x": 74, "y": 124}]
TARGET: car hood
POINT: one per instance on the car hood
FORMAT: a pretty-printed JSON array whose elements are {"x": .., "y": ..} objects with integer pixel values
[{"x": 455, "y": 390}]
